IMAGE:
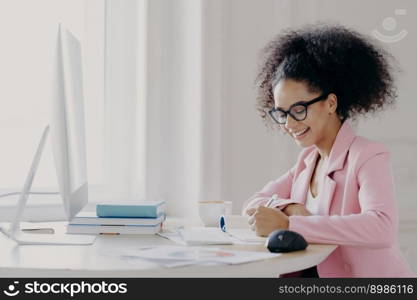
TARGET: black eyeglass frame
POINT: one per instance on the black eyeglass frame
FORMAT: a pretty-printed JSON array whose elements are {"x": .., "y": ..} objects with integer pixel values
[{"x": 299, "y": 103}]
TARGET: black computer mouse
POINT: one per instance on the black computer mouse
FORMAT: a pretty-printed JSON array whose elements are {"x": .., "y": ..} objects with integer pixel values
[{"x": 285, "y": 241}]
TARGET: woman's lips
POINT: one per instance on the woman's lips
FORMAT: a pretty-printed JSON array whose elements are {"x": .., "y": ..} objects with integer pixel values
[{"x": 302, "y": 135}]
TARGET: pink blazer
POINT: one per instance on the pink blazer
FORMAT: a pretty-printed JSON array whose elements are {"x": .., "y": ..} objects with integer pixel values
[{"x": 357, "y": 207}]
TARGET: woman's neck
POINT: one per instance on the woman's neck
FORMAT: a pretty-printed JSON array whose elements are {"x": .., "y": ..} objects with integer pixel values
[{"x": 325, "y": 146}]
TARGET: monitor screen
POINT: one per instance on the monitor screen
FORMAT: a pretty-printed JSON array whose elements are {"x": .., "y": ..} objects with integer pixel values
[
  {"x": 67, "y": 124},
  {"x": 74, "y": 108}
]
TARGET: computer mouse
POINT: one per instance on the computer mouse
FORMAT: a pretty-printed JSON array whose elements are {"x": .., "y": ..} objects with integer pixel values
[{"x": 285, "y": 241}]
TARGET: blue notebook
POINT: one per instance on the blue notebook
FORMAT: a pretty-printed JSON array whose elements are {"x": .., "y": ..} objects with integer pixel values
[
  {"x": 143, "y": 209},
  {"x": 91, "y": 218}
]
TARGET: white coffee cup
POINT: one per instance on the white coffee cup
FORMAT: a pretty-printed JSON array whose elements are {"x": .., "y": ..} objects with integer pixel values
[{"x": 211, "y": 211}]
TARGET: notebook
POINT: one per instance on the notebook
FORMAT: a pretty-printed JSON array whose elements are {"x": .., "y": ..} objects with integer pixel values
[
  {"x": 113, "y": 229},
  {"x": 91, "y": 218},
  {"x": 237, "y": 226},
  {"x": 142, "y": 209},
  {"x": 195, "y": 236}
]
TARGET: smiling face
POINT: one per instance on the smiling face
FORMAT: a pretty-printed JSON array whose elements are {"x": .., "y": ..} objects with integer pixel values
[{"x": 315, "y": 128}]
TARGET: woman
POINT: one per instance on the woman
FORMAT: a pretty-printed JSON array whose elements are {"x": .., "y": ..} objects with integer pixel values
[{"x": 340, "y": 190}]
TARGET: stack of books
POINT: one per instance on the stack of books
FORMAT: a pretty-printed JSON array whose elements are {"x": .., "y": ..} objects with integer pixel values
[{"x": 145, "y": 217}]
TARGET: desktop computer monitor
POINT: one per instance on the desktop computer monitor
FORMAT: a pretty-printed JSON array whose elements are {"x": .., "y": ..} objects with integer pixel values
[
  {"x": 68, "y": 146},
  {"x": 67, "y": 124}
]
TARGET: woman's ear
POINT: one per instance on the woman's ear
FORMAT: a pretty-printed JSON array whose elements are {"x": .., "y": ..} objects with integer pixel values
[{"x": 332, "y": 100}]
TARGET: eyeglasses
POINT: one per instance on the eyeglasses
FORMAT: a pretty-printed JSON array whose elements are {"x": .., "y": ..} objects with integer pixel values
[{"x": 298, "y": 111}]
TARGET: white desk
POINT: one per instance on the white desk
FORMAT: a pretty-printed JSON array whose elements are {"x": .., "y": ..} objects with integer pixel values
[{"x": 94, "y": 261}]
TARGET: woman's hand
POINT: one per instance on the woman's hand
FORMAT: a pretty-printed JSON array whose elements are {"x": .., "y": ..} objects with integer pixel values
[
  {"x": 249, "y": 211},
  {"x": 296, "y": 209},
  {"x": 264, "y": 220}
]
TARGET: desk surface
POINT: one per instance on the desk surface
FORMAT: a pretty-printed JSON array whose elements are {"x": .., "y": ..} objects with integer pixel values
[{"x": 101, "y": 260}]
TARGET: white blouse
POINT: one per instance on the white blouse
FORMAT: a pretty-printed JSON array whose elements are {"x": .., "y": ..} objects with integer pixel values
[{"x": 312, "y": 203}]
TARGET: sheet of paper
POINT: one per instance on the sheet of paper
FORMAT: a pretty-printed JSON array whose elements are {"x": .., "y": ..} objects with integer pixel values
[
  {"x": 198, "y": 254},
  {"x": 248, "y": 238},
  {"x": 165, "y": 263},
  {"x": 172, "y": 236}
]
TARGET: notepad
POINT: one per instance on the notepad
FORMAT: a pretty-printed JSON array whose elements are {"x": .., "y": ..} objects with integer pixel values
[
  {"x": 204, "y": 236},
  {"x": 237, "y": 226}
]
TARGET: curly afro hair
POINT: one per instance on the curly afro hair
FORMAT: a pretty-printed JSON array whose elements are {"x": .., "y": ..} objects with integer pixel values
[{"x": 332, "y": 59}]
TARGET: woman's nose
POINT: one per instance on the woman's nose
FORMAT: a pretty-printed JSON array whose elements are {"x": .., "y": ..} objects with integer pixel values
[{"x": 290, "y": 122}]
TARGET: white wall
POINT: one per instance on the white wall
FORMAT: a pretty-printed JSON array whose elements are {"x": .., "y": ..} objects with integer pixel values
[{"x": 251, "y": 156}]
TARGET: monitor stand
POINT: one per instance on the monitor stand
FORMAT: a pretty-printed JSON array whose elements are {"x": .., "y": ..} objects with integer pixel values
[
  {"x": 59, "y": 237},
  {"x": 56, "y": 238}
]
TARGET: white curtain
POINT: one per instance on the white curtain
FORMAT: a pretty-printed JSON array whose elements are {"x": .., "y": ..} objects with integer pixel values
[{"x": 162, "y": 130}]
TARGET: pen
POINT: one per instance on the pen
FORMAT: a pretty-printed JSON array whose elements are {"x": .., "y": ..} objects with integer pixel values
[{"x": 272, "y": 199}]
